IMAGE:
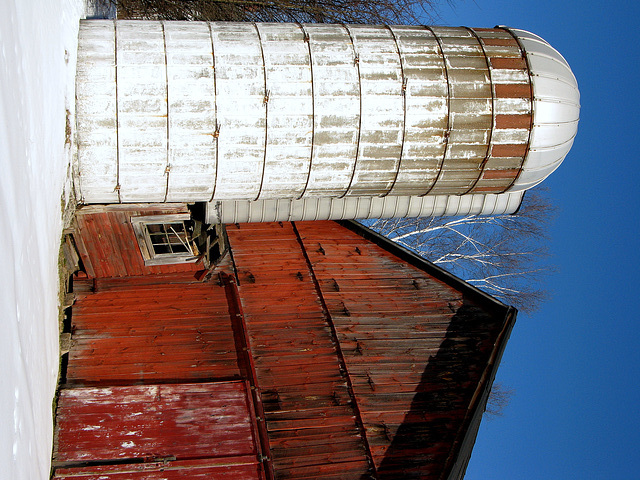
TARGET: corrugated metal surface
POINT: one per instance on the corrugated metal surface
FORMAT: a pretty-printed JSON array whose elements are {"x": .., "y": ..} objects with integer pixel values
[
  {"x": 240, "y": 100},
  {"x": 469, "y": 121},
  {"x": 311, "y": 423},
  {"x": 415, "y": 348},
  {"x": 192, "y": 113},
  {"x": 131, "y": 331},
  {"x": 336, "y": 110},
  {"x": 174, "y": 422},
  {"x": 97, "y": 113},
  {"x": 289, "y": 110},
  {"x": 381, "y": 110},
  {"x": 511, "y": 110},
  {"x": 143, "y": 131},
  {"x": 269, "y": 111},
  {"x": 232, "y": 211},
  {"x": 426, "y": 119}
]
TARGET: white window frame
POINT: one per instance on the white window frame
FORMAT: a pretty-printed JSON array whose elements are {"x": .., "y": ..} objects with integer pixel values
[{"x": 151, "y": 258}]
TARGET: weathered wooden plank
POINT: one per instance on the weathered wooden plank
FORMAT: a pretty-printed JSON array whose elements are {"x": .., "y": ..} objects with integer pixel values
[
  {"x": 185, "y": 421},
  {"x": 230, "y": 468}
]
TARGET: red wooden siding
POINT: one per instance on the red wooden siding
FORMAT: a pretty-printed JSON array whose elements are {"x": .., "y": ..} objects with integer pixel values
[
  {"x": 107, "y": 243},
  {"x": 131, "y": 331},
  {"x": 312, "y": 427},
  {"x": 173, "y": 422},
  {"x": 365, "y": 364},
  {"x": 414, "y": 347},
  {"x": 227, "y": 468}
]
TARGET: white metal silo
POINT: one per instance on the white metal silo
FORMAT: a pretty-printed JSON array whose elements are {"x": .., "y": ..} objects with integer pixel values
[{"x": 315, "y": 114}]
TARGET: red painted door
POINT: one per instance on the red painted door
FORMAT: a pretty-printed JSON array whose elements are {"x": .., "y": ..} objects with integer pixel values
[{"x": 170, "y": 431}]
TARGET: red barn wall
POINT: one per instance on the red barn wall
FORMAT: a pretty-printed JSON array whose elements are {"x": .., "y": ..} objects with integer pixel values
[
  {"x": 362, "y": 362},
  {"x": 311, "y": 423},
  {"x": 108, "y": 245},
  {"x": 135, "y": 330}
]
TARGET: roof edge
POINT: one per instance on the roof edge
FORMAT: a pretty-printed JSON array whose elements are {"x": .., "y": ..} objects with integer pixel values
[
  {"x": 424, "y": 264},
  {"x": 463, "y": 445}
]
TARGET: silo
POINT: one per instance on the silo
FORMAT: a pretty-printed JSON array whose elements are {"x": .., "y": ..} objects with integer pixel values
[{"x": 307, "y": 120}]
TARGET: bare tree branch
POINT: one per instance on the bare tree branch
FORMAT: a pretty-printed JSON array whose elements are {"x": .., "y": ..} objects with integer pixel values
[
  {"x": 313, "y": 11},
  {"x": 499, "y": 399},
  {"x": 500, "y": 254}
]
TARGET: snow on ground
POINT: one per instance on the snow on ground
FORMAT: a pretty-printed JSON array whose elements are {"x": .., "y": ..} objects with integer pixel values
[{"x": 36, "y": 88}]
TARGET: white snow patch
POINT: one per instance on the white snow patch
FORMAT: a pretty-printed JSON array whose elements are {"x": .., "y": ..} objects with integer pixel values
[{"x": 36, "y": 88}]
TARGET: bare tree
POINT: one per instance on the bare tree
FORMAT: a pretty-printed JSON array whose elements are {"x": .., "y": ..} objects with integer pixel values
[
  {"x": 500, "y": 254},
  {"x": 315, "y": 11},
  {"x": 499, "y": 399}
]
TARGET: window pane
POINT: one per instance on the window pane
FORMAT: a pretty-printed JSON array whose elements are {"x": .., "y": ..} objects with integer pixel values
[{"x": 155, "y": 228}]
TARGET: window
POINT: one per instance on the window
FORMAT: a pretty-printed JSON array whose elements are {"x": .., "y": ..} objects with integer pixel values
[{"x": 166, "y": 239}]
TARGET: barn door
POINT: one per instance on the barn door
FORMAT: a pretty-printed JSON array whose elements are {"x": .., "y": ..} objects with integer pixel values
[{"x": 169, "y": 431}]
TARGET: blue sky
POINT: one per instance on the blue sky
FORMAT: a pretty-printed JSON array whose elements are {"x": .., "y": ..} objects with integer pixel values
[{"x": 575, "y": 364}]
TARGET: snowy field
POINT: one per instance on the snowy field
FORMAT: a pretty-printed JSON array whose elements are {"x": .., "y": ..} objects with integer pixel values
[{"x": 38, "y": 40}]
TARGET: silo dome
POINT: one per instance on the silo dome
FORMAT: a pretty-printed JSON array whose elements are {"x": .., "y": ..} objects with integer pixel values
[{"x": 556, "y": 110}]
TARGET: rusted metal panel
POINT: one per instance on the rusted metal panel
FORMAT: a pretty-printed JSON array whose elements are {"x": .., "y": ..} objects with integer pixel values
[
  {"x": 177, "y": 422},
  {"x": 470, "y": 110},
  {"x": 231, "y": 111},
  {"x": 511, "y": 110},
  {"x": 556, "y": 109}
]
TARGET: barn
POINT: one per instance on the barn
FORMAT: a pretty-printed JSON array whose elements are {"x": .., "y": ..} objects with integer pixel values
[{"x": 283, "y": 350}]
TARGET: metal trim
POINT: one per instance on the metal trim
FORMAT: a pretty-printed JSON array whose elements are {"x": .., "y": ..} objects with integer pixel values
[
  {"x": 167, "y": 170},
  {"x": 216, "y": 134},
  {"x": 307, "y": 39},
  {"x": 115, "y": 48},
  {"x": 266, "y": 111}
]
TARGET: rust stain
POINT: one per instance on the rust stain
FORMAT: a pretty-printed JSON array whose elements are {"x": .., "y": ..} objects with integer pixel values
[
  {"x": 513, "y": 90},
  {"x": 509, "y": 174},
  {"x": 508, "y": 150},
  {"x": 508, "y": 63},
  {"x": 513, "y": 121}
]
